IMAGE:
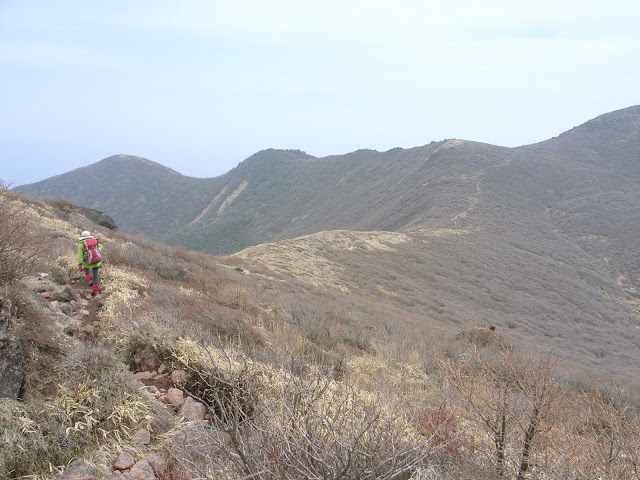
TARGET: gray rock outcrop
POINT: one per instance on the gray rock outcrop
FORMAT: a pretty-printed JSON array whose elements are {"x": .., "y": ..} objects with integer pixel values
[{"x": 11, "y": 365}]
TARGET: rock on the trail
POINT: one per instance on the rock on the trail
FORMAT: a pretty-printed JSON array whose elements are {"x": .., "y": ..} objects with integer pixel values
[
  {"x": 146, "y": 359},
  {"x": 175, "y": 397},
  {"x": 142, "y": 376},
  {"x": 66, "y": 295},
  {"x": 141, "y": 437},
  {"x": 142, "y": 471},
  {"x": 179, "y": 377},
  {"x": 158, "y": 463}
]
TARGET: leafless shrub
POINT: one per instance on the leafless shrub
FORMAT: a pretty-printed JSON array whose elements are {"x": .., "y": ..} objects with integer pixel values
[
  {"x": 20, "y": 252},
  {"x": 325, "y": 328},
  {"x": 604, "y": 440},
  {"x": 311, "y": 429},
  {"x": 231, "y": 293},
  {"x": 146, "y": 255}
]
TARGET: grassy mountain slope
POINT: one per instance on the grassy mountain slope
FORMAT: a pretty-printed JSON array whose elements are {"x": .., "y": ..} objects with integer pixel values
[
  {"x": 596, "y": 203},
  {"x": 430, "y": 281},
  {"x": 540, "y": 240},
  {"x": 339, "y": 352},
  {"x": 364, "y": 190}
]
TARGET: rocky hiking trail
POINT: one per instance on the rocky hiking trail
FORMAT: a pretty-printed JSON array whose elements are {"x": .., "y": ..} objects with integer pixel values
[{"x": 74, "y": 300}]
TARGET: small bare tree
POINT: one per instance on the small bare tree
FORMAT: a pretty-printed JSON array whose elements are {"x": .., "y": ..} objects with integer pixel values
[
  {"x": 538, "y": 391},
  {"x": 488, "y": 390},
  {"x": 508, "y": 397}
]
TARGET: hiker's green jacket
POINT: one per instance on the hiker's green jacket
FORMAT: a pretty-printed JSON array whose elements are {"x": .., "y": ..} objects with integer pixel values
[{"x": 81, "y": 255}]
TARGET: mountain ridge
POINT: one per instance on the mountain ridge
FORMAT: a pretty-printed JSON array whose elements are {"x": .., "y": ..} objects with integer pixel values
[
  {"x": 538, "y": 240},
  {"x": 279, "y": 194}
]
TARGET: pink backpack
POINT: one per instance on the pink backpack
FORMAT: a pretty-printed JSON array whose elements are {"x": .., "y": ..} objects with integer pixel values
[{"x": 92, "y": 253}]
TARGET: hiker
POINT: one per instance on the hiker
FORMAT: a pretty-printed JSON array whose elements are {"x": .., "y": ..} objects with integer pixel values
[{"x": 90, "y": 259}]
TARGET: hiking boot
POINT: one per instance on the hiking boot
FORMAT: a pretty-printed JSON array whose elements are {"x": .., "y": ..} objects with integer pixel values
[
  {"x": 89, "y": 278},
  {"x": 96, "y": 290}
]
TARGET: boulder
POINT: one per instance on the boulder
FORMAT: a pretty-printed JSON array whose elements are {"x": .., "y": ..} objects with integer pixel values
[
  {"x": 125, "y": 460},
  {"x": 146, "y": 359},
  {"x": 152, "y": 389},
  {"x": 158, "y": 463},
  {"x": 141, "y": 437},
  {"x": 60, "y": 275},
  {"x": 179, "y": 377},
  {"x": 65, "y": 295},
  {"x": 11, "y": 365},
  {"x": 65, "y": 208},
  {"x": 142, "y": 471},
  {"x": 98, "y": 217},
  {"x": 79, "y": 470},
  {"x": 142, "y": 376},
  {"x": 192, "y": 410},
  {"x": 175, "y": 397}
]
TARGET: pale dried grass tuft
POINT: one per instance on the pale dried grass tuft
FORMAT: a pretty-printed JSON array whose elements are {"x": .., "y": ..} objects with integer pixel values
[
  {"x": 96, "y": 404},
  {"x": 122, "y": 286}
]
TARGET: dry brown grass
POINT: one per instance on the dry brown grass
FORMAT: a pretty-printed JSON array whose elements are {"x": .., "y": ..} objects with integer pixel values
[{"x": 88, "y": 400}]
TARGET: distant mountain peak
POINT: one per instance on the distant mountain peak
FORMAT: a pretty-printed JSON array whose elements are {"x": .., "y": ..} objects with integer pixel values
[
  {"x": 122, "y": 159},
  {"x": 626, "y": 120},
  {"x": 279, "y": 153},
  {"x": 271, "y": 156}
]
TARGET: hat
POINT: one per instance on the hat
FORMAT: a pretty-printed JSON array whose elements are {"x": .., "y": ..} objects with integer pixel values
[{"x": 85, "y": 234}]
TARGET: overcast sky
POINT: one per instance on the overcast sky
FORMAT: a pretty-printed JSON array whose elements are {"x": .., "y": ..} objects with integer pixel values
[{"x": 199, "y": 86}]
